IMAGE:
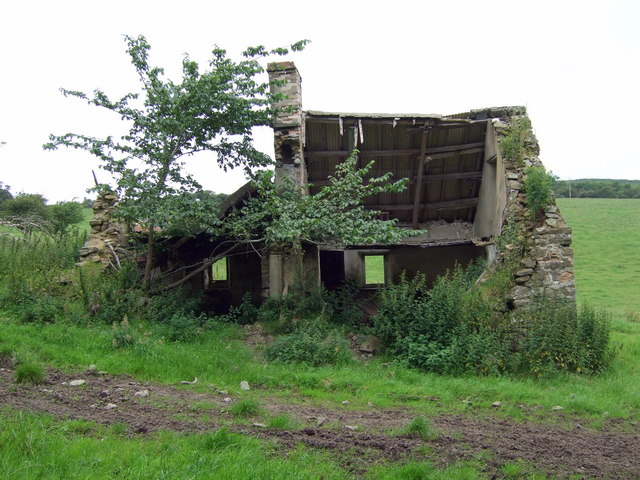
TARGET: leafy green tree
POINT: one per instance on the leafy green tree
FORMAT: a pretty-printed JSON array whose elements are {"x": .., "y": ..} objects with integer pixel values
[
  {"x": 283, "y": 216},
  {"x": 87, "y": 202},
  {"x": 213, "y": 111},
  {"x": 64, "y": 215},
  {"x": 26, "y": 212},
  {"x": 598, "y": 188},
  {"x": 5, "y": 193},
  {"x": 31, "y": 205}
]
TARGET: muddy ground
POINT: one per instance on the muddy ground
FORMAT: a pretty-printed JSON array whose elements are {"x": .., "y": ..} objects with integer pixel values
[{"x": 554, "y": 449}]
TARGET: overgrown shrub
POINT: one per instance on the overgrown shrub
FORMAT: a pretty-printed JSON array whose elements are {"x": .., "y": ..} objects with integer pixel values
[
  {"x": 454, "y": 327},
  {"x": 538, "y": 185},
  {"x": 342, "y": 306},
  {"x": 244, "y": 314},
  {"x": 411, "y": 309},
  {"x": 122, "y": 334},
  {"x": 313, "y": 343},
  {"x": 305, "y": 300},
  {"x": 182, "y": 327},
  {"x": 43, "y": 309},
  {"x": 558, "y": 337},
  {"x": 178, "y": 301},
  {"x": 110, "y": 295}
]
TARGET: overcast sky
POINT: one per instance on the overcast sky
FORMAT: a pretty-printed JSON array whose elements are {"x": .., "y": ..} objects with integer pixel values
[{"x": 574, "y": 64}]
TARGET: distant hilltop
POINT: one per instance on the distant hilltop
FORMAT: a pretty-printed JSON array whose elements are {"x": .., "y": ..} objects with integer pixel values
[{"x": 597, "y": 188}]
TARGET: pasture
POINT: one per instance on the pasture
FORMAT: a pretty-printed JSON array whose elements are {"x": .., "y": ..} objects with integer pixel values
[{"x": 471, "y": 427}]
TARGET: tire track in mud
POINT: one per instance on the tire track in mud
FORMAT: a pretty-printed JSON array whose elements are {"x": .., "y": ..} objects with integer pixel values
[{"x": 552, "y": 449}]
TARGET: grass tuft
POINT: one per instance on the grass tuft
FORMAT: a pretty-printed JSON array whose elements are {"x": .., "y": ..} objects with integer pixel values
[
  {"x": 30, "y": 373},
  {"x": 219, "y": 440},
  {"x": 245, "y": 408},
  {"x": 421, "y": 428},
  {"x": 281, "y": 422}
]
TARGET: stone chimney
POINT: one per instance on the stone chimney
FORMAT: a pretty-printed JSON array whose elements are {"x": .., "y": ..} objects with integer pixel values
[{"x": 288, "y": 127}]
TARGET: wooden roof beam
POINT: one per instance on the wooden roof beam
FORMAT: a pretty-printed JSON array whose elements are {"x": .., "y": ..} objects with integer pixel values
[
  {"x": 397, "y": 153},
  {"x": 444, "y": 205},
  {"x": 421, "y": 161},
  {"x": 434, "y": 177}
]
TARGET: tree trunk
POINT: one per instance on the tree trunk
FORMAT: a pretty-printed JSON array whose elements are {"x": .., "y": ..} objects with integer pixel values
[{"x": 146, "y": 284}]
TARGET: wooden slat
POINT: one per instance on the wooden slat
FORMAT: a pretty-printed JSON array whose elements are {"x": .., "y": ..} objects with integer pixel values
[
  {"x": 450, "y": 176},
  {"x": 434, "y": 177},
  {"x": 369, "y": 153},
  {"x": 445, "y": 205},
  {"x": 395, "y": 153},
  {"x": 421, "y": 161},
  {"x": 418, "y": 192}
]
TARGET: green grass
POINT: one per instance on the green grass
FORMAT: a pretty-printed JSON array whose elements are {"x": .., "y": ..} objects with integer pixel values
[
  {"x": 219, "y": 269},
  {"x": 30, "y": 373},
  {"x": 606, "y": 242},
  {"x": 36, "y": 446},
  {"x": 87, "y": 215},
  {"x": 420, "y": 428},
  {"x": 374, "y": 269},
  {"x": 247, "y": 407},
  {"x": 220, "y": 358}
]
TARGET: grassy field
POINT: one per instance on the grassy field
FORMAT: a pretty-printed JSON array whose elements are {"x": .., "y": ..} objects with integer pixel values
[
  {"x": 606, "y": 242},
  {"x": 87, "y": 214}
]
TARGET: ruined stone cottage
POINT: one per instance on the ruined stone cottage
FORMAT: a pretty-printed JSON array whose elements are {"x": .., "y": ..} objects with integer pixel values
[
  {"x": 465, "y": 189},
  {"x": 462, "y": 190}
]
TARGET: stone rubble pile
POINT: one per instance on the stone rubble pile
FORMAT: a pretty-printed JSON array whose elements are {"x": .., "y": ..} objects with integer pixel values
[{"x": 107, "y": 237}]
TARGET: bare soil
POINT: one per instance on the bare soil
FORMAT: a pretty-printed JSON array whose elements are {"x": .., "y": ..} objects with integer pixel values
[{"x": 356, "y": 437}]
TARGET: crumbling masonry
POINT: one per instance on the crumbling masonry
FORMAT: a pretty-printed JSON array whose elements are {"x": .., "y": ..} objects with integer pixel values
[{"x": 107, "y": 238}]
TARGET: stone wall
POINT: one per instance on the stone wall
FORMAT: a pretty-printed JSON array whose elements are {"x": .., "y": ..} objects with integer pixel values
[
  {"x": 288, "y": 127},
  {"x": 279, "y": 267},
  {"x": 105, "y": 241},
  {"x": 538, "y": 250}
]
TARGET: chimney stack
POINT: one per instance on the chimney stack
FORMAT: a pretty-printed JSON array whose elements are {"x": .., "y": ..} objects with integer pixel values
[{"x": 288, "y": 127}]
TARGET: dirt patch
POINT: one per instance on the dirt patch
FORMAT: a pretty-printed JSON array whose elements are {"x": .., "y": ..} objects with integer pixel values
[
  {"x": 357, "y": 438},
  {"x": 256, "y": 336}
]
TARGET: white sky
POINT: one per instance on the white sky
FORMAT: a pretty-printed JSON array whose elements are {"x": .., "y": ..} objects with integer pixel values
[{"x": 574, "y": 64}]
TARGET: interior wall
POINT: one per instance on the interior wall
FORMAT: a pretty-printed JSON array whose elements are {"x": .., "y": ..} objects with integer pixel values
[
  {"x": 432, "y": 262},
  {"x": 493, "y": 190},
  {"x": 245, "y": 275}
]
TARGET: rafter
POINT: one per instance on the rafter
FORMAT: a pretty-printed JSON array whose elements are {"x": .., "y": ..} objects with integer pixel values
[
  {"x": 444, "y": 205},
  {"x": 396, "y": 153}
]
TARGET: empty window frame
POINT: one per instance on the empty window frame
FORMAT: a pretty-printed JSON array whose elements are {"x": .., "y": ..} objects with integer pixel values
[
  {"x": 219, "y": 273},
  {"x": 374, "y": 270}
]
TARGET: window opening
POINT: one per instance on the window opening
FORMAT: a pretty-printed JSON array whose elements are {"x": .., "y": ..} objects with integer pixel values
[
  {"x": 374, "y": 269},
  {"x": 219, "y": 270}
]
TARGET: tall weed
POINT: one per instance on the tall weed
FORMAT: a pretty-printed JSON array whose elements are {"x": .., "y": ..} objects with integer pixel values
[
  {"x": 37, "y": 274},
  {"x": 455, "y": 327}
]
